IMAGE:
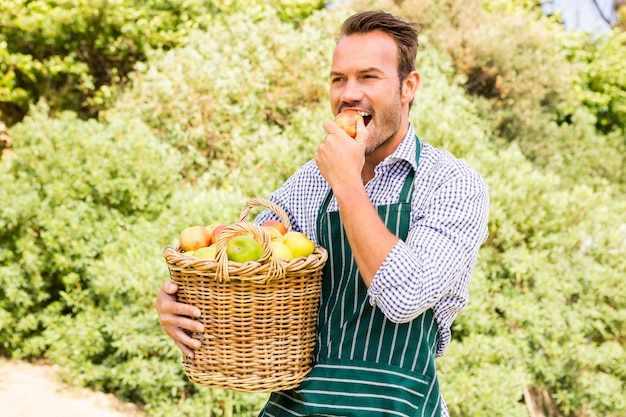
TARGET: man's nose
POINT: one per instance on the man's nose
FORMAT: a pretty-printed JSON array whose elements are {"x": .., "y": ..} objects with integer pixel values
[{"x": 352, "y": 92}]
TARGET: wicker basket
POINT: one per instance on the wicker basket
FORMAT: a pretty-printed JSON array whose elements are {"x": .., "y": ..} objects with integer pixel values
[{"x": 259, "y": 317}]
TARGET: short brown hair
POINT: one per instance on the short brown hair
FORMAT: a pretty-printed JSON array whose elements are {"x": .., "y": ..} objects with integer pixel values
[{"x": 403, "y": 33}]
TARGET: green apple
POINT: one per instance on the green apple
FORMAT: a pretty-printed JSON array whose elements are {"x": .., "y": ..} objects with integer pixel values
[{"x": 243, "y": 248}]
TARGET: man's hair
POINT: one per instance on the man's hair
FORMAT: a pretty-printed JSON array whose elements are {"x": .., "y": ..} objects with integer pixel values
[{"x": 403, "y": 33}]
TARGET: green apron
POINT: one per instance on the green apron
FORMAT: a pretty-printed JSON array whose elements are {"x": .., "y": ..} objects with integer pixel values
[{"x": 365, "y": 365}]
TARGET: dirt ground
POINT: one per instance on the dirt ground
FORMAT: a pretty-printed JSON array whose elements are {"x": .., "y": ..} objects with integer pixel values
[{"x": 28, "y": 390}]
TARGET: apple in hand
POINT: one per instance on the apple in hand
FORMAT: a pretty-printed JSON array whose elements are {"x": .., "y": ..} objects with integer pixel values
[{"x": 347, "y": 120}]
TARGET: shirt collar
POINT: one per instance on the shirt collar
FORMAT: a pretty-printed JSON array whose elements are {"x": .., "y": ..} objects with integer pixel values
[{"x": 405, "y": 150}]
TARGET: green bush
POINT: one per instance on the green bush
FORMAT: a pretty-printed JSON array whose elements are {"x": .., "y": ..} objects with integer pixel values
[
  {"x": 72, "y": 188},
  {"x": 542, "y": 310},
  {"x": 222, "y": 95},
  {"x": 77, "y": 53},
  {"x": 545, "y": 90},
  {"x": 602, "y": 86}
]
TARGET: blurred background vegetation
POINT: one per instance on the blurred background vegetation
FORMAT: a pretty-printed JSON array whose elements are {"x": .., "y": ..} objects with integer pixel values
[{"x": 123, "y": 122}]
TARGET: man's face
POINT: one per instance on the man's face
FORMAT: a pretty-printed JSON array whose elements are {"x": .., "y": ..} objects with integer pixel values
[{"x": 364, "y": 77}]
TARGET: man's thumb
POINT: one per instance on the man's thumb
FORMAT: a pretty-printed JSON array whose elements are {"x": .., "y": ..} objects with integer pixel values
[{"x": 361, "y": 133}]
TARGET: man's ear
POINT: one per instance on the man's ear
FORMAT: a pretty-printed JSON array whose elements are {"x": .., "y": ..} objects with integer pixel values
[{"x": 410, "y": 85}]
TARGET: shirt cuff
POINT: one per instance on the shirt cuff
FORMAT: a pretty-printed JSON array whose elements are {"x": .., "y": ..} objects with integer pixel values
[{"x": 389, "y": 275}]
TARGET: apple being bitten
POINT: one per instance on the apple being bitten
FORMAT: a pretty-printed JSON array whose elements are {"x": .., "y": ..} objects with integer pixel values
[{"x": 347, "y": 120}]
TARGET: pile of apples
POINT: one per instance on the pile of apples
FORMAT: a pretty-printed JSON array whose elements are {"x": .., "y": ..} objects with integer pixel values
[{"x": 201, "y": 242}]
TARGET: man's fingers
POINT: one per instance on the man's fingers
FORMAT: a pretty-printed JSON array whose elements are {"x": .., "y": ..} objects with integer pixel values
[
  {"x": 181, "y": 309},
  {"x": 176, "y": 317},
  {"x": 166, "y": 303},
  {"x": 169, "y": 287},
  {"x": 181, "y": 336},
  {"x": 186, "y": 351},
  {"x": 182, "y": 322},
  {"x": 173, "y": 326},
  {"x": 184, "y": 342}
]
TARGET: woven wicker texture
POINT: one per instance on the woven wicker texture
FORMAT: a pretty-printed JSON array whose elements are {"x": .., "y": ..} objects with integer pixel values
[{"x": 260, "y": 317}]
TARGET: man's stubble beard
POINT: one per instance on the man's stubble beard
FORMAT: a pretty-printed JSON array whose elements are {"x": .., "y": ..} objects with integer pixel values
[{"x": 387, "y": 125}]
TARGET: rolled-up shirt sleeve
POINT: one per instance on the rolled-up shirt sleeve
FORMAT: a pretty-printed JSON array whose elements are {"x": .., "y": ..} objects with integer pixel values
[{"x": 433, "y": 267}]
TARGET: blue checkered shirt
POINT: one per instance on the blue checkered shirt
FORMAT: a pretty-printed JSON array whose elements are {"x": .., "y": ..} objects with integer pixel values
[{"x": 433, "y": 267}]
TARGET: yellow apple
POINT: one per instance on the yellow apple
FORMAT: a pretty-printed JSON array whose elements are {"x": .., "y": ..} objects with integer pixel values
[
  {"x": 206, "y": 252},
  {"x": 194, "y": 237},
  {"x": 273, "y": 232},
  {"x": 210, "y": 228},
  {"x": 281, "y": 251},
  {"x": 299, "y": 244}
]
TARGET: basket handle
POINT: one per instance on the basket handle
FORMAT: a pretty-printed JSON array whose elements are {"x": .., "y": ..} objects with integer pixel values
[
  {"x": 261, "y": 202},
  {"x": 276, "y": 269}
]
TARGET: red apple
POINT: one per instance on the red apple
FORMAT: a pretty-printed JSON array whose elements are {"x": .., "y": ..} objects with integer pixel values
[
  {"x": 347, "y": 120},
  {"x": 276, "y": 225},
  {"x": 216, "y": 232}
]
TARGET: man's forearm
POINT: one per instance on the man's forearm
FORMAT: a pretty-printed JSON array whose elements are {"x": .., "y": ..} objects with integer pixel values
[{"x": 368, "y": 236}]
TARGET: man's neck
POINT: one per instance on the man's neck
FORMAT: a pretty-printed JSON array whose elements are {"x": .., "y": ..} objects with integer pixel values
[{"x": 383, "y": 151}]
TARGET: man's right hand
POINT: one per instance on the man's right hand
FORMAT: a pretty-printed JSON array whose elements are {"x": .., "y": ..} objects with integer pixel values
[{"x": 174, "y": 318}]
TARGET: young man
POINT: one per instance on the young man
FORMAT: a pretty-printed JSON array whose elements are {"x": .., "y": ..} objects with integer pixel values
[{"x": 402, "y": 222}]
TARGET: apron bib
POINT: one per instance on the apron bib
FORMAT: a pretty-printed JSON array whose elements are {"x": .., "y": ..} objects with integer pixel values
[{"x": 365, "y": 365}]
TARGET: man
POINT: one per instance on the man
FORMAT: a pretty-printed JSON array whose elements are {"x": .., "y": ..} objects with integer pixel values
[{"x": 402, "y": 222}]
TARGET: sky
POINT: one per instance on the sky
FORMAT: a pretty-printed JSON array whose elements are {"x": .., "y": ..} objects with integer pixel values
[{"x": 582, "y": 14}]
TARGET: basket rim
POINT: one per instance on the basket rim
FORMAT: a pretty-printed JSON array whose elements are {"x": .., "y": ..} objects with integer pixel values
[
  {"x": 181, "y": 262},
  {"x": 266, "y": 269}
]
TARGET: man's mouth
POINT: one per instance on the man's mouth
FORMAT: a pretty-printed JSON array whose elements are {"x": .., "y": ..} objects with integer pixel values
[{"x": 367, "y": 118}]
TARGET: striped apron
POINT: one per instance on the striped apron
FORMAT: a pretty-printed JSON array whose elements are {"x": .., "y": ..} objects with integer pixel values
[{"x": 365, "y": 365}]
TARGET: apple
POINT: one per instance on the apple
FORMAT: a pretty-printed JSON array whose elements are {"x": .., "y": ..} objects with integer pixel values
[
  {"x": 347, "y": 120},
  {"x": 209, "y": 252},
  {"x": 276, "y": 225},
  {"x": 217, "y": 229},
  {"x": 281, "y": 251},
  {"x": 273, "y": 232},
  {"x": 299, "y": 244},
  {"x": 210, "y": 228},
  {"x": 259, "y": 239},
  {"x": 243, "y": 248},
  {"x": 194, "y": 237}
]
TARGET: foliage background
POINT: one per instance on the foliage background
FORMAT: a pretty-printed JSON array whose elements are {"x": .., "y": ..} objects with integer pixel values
[{"x": 131, "y": 120}]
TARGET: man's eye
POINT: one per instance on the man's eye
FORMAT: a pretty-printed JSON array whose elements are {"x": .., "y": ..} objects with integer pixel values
[{"x": 336, "y": 80}]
